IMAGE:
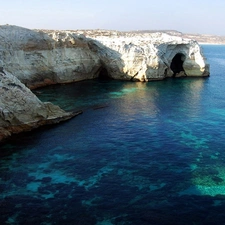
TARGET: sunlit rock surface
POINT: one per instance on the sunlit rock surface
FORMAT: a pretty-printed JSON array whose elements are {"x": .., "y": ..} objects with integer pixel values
[
  {"x": 46, "y": 57},
  {"x": 148, "y": 56},
  {"x": 21, "y": 110},
  {"x": 39, "y": 59}
]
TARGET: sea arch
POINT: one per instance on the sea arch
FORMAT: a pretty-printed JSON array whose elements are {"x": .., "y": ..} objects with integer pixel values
[
  {"x": 177, "y": 65},
  {"x": 104, "y": 74}
]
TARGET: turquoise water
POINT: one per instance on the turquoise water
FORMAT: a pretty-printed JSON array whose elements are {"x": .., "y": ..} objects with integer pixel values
[{"x": 141, "y": 153}]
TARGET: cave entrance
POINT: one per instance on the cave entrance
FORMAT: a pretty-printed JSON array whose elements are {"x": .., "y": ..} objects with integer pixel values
[
  {"x": 177, "y": 64},
  {"x": 103, "y": 74}
]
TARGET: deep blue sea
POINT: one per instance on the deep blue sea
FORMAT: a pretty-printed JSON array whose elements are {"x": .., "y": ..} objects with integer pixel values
[{"x": 140, "y": 154}]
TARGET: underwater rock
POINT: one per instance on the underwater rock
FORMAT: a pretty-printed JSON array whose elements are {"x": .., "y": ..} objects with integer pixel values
[{"x": 100, "y": 107}]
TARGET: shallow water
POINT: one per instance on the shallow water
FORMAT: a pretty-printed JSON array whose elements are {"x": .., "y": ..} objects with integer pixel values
[{"x": 141, "y": 153}]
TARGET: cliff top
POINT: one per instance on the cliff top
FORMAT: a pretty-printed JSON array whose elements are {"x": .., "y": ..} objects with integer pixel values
[
  {"x": 141, "y": 34},
  {"x": 201, "y": 38}
]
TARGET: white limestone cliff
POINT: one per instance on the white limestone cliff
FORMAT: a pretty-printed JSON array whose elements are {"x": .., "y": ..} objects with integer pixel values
[
  {"x": 40, "y": 58},
  {"x": 35, "y": 58},
  {"x": 146, "y": 57}
]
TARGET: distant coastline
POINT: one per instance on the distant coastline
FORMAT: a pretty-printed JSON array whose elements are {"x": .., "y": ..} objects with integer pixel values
[
  {"x": 200, "y": 38},
  {"x": 208, "y": 43},
  {"x": 203, "y": 39}
]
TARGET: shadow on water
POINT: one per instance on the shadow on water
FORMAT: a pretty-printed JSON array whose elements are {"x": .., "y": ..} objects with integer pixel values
[{"x": 153, "y": 156}]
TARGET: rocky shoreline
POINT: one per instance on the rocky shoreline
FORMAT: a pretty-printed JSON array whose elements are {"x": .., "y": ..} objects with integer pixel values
[{"x": 35, "y": 58}]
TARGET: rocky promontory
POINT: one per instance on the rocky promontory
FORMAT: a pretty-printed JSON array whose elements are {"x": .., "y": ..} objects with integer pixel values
[
  {"x": 21, "y": 110},
  {"x": 34, "y": 58}
]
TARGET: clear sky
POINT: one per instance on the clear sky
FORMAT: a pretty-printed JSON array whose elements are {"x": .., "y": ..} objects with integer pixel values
[{"x": 189, "y": 16}]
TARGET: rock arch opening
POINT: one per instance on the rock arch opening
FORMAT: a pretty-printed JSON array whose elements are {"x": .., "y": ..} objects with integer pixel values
[
  {"x": 103, "y": 74},
  {"x": 177, "y": 64}
]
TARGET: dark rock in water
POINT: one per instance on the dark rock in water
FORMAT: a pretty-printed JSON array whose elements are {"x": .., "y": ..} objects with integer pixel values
[
  {"x": 87, "y": 221},
  {"x": 100, "y": 107},
  {"x": 46, "y": 179},
  {"x": 217, "y": 179},
  {"x": 31, "y": 178}
]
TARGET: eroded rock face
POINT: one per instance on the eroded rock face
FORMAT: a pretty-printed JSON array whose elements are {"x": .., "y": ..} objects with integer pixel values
[
  {"x": 40, "y": 58},
  {"x": 21, "y": 110},
  {"x": 148, "y": 56}
]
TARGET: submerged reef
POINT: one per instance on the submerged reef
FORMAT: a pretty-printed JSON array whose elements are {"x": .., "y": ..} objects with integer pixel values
[{"x": 35, "y": 58}]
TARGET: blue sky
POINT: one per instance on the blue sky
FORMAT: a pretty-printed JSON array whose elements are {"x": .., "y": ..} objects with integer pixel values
[{"x": 192, "y": 16}]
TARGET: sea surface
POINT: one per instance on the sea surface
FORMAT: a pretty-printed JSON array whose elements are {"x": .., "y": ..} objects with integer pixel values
[{"x": 140, "y": 154}]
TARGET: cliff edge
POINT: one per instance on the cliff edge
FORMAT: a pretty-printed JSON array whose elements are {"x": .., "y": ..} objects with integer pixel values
[
  {"x": 43, "y": 57},
  {"x": 34, "y": 58}
]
